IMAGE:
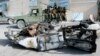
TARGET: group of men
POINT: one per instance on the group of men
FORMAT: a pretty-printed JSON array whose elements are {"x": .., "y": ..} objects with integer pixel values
[{"x": 56, "y": 13}]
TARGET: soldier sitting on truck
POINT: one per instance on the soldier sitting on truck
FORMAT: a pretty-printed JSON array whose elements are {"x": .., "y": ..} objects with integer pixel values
[
  {"x": 63, "y": 14},
  {"x": 55, "y": 13},
  {"x": 46, "y": 14}
]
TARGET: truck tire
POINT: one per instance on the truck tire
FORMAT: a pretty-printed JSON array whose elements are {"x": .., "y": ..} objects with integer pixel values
[{"x": 21, "y": 24}]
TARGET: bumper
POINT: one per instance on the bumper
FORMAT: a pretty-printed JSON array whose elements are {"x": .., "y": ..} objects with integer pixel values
[{"x": 12, "y": 21}]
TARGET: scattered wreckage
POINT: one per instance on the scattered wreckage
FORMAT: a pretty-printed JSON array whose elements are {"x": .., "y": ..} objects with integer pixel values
[
  {"x": 38, "y": 36},
  {"x": 46, "y": 36}
]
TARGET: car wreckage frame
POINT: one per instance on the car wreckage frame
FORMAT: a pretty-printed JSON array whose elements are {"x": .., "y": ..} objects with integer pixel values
[
  {"x": 74, "y": 36},
  {"x": 84, "y": 39}
]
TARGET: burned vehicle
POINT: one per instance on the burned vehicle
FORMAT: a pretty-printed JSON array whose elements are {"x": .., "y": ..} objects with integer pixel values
[
  {"x": 46, "y": 37},
  {"x": 82, "y": 36},
  {"x": 38, "y": 36}
]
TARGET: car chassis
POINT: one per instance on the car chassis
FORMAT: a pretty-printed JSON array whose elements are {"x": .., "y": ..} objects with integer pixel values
[{"x": 72, "y": 36}]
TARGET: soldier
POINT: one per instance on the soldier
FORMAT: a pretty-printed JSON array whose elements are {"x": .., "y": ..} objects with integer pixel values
[
  {"x": 46, "y": 14},
  {"x": 54, "y": 14},
  {"x": 63, "y": 14}
]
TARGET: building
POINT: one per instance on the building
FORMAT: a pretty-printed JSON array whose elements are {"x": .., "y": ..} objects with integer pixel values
[
  {"x": 82, "y": 9},
  {"x": 23, "y": 7},
  {"x": 18, "y": 7}
]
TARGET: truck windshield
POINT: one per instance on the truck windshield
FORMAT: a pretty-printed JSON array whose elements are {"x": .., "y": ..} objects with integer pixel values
[{"x": 34, "y": 12}]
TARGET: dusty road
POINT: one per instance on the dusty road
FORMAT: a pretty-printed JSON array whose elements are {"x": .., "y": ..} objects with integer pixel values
[{"x": 6, "y": 49}]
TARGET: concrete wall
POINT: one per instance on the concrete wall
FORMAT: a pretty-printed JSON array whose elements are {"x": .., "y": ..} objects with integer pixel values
[
  {"x": 22, "y": 7},
  {"x": 43, "y": 3},
  {"x": 93, "y": 9},
  {"x": 86, "y": 7},
  {"x": 18, "y": 7}
]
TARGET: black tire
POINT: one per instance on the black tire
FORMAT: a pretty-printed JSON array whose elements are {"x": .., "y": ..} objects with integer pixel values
[
  {"x": 89, "y": 46},
  {"x": 93, "y": 49},
  {"x": 21, "y": 24}
]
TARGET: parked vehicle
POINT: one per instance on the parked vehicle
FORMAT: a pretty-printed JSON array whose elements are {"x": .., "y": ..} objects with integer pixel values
[
  {"x": 73, "y": 36},
  {"x": 3, "y": 8},
  {"x": 22, "y": 21},
  {"x": 3, "y": 19},
  {"x": 49, "y": 15}
]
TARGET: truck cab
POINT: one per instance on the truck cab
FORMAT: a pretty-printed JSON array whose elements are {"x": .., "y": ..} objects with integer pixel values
[{"x": 34, "y": 16}]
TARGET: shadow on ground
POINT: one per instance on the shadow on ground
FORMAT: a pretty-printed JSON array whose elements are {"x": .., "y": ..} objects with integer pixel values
[
  {"x": 69, "y": 50},
  {"x": 13, "y": 26},
  {"x": 4, "y": 23},
  {"x": 4, "y": 42},
  {"x": 65, "y": 50}
]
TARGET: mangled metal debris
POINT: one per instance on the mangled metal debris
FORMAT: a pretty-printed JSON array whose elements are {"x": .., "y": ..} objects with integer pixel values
[
  {"x": 39, "y": 37},
  {"x": 45, "y": 36}
]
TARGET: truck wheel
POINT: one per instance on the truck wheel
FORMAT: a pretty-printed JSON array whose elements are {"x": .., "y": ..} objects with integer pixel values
[{"x": 20, "y": 24}]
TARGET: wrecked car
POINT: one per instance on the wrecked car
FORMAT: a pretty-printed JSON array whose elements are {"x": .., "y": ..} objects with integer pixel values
[
  {"x": 38, "y": 36},
  {"x": 48, "y": 37},
  {"x": 82, "y": 36}
]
